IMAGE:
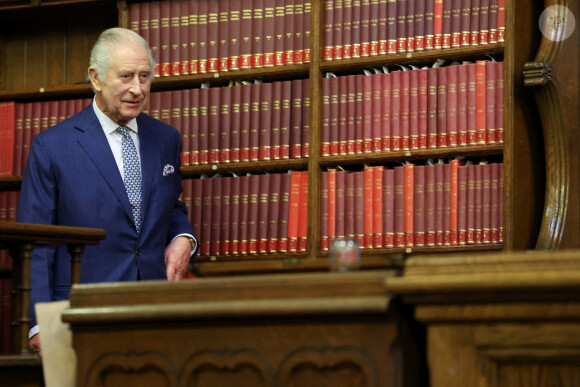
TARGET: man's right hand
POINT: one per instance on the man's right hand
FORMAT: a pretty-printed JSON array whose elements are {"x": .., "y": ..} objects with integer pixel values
[{"x": 34, "y": 344}]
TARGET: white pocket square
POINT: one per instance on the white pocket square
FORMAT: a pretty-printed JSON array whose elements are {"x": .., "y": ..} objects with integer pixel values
[{"x": 168, "y": 170}]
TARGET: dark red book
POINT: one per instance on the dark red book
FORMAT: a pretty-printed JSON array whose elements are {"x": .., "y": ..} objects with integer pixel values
[
  {"x": 305, "y": 117},
  {"x": 235, "y": 123},
  {"x": 234, "y": 233},
  {"x": 461, "y": 105},
  {"x": 465, "y": 23},
  {"x": 419, "y": 26},
  {"x": 474, "y": 23},
  {"x": 490, "y": 104},
  {"x": 203, "y": 38},
  {"x": 388, "y": 208},
  {"x": 255, "y": 92},
  {"x": 284, "y": 212},
  {"x": 408, "y": 203},
  {"x": 446, "y": 204},
  {"x": 368, "y": 205},
  {"x": 303, "y": 216},
  {"x": 500, "y": 203},
  {"x": 456, "y": 23},
  {"x": 462, "y": 204},
  {"x": 429, "y": 25},
  {"x": 193, "y": 63},
  {"x": 446, "y": 24},
  {"x": 404, "y": 115},
  {"x": 27, "y": 132},
  {"x": 243, "y": 218},
  {"x": 359, "y": 207},
  {"x": 377, "y": 131},
  {"x": 500, "y": 21},
  {"x": 45, "y": 113},
  {"x": 378, "y": 204},
  {"x": 279, "y": 38},
  {"x": 194, "y": 126},
  {"x": 349, "y": 206},
  {"x": 395, "y": 110},
  {"x": 343, "y": 130},
  {"x": 246, "y": 101},
  {"x": 296, "y": 119},
  {"x": 285, "y": 119},
  {"x": 206, "y": 219},
  {"x": 419, "y": 205},
  {"x": 442, "y": 107},
  {"x": 294, "y": 211},
  {"x": 480, "y": 102},
  {"x": 184, "y": 38},
  {"x": 225, "y": 122},
  {"x": 364, "y": 29},
  {"x": 273, "y": 212},
  {"x": 439, "y": 202},
  {"x": 410, "y": 26},
  {"x": 165, "y": 106},
  {"x": 471, "y": 105},
  {"x": 332, "y": 204},
  {"x": 325, "y": 117},
  {"x": 402, "y": 25},
  {"x": 422, "y": 114},
  {"x": 499, "y": 102},
  {"x": 264, "y": 210},
  {"x": 399, "y": 207},
  {"x": 414, "y": 109},
  {"x": 340, "y": 204},
  {"x": 36, "y": 115},
  {"x": 164, "y": 38},
  {"x": 334, "y": 112},
  {"x": 276, "y": 120},
  {"x": 154, "y": 40},
  {"x": 7, "y": 123},
  {"x": 392, "y": 27},
  {"x": 324, "y": 242},
  {"x": 298, "y": 52},
  {"x": 438, "y": 24},
  {"x": 212, "y": 36},
  {"x": 494, "y": 203},
  {"x": 385, "y": 82},
  {"x": 328, "y": 44},
  {"x": 454, "y": 201},
  {"x": 224, "y": 35},
  {"x": 265, "y": 124},
  {"x": 484, "y": 21},
  {"x": 430, "y": 204},
  {"x": 257, "y": 33},
  {"x": 226, "y": 215},
  {"x": 486, "y": 203},
  {"x": 470, "y": 216},
  {"x": 203, "y": 125},
  {"x": 134, "y": 18},
  {"x": 18, "y": 138},
  {"x": 452, "y": 103},
  {"x": 185, "y": 126},
  {"x": 176, "y": 103},
  {"x": 367, "y": 114},
  {"x": 383, "y": 33},
  {"x": 235, "y": 34},
  {"x": 478, "y": 209},
  {"x": 175, "y": 13},
  {"x": 374, "y": 28},
  {"x": 351, "y": 114},
  {"x": 432, "y": 108},
  {"x": 214, "y": 125},
  {"x": 245, "y": 61},
  {"x": 269, "y": 38},
  {"x": 306, "y": 35},
  {"x": 289, "y": 32},
  {"x": 216, "y": 215}
]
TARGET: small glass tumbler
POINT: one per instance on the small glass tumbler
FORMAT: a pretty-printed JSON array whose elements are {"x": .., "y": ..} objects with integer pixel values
[{"x": 344, "y": 255}]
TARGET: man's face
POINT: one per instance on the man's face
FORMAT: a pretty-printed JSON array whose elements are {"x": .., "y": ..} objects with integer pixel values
[{"x": 125, "y": 92}]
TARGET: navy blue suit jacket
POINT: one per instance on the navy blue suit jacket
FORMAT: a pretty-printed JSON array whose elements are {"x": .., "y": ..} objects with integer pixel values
[{"x": 71, "y": 179}]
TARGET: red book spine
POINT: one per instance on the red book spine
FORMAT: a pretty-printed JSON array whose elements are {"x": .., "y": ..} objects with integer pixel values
[
  {"x": 439, "y": 202},
  {"x": 359, "y": 207},
  {"x": 474, "y": 23},
  {"x": 429, "y": 209},
  {"x": 279, "y": 18},
  {"x": 410, "y": 26},
  {"x": 392, "y": 26},
  {"x": 414, "y": 109},
  {"x": 365, "y": 26},
  {"x": 484, "y": 21},
  {"x": 470, "y": 204},
  {"x": 269, "y": 39},
  {"x": 8, "y": 141},
  {"x": 264, "y": 213},
  {"x": 192, "y": 39},
  {"x": 27, "y": 132},
  {"x": 462, "y": 204},
  {"x": 206, "y": 227},
  {"x": 226, "y": 215},
  {"x": 265, "y": 127},
  {"x": 234, "y": 233},
  {"x": 134, "y": 18},
  {"x": 355, "y": 28},
  {"x": 285, "y": 121},
  {"x": 359, "y": 114},
  {"x": 399, "y": 213},
  {"x": 331, "y": 204},
  {"x": 305, "y": 117},
  {"x": 328, "y": 45},
  {"x": 404, "y": 114},
  {"x": 374, "y": 27},
  {"x": 298, "y": 52},
  {"x": 275, "y": 121},
  {"x": 257, "y": 34},
  {"x": 253, "y": 213},
  {"x": 368, "y": 205},
  {"x": 235, "y": 34},
  {"x": 340, "y": 204},
  {"x": 465, "y": 23},
  {"x": 254, "y": 130},
  {"x": 388, "y": 208},
  {"x": 438, "y": 25},
  {"x": 273, "y": 214},
  {"x": 235, "y": 123},
  {"x": 461, "y": 105},
  {"x": 216, "y": 215},
  {"x": 289, "y": 32},
  {"x": 500, "y": 203},
  {"x": 377, "y": 132},
  {"x": 432, "y": 108},
  {"x": 368, "y": 114},
  {"x": 183, "y": 42},
  {"x": 204, "y": 130},
  {"x": 490, "y": 104},
  {"x": 471, "y": 105},
  {"x": 175, "y": 37},
  {"x": 500, "y": 21},
  {"x": 478, "y": 210},
  {"x": 402, "y": 25},
  {"x": 225, "y": 122},
  {"x": 306, "y": 35},
  {"x": 294, "y": 215},
  {"x": 214, "y": 125},
  {"x": 165, "y": 38},
  {"x": 37, "y": 113},
  {"x": 296, "y": 119},
  {"x": 429, "y": 25},
  {"x": 18, "y": 133},
  {"x": 303, "y": 216},
  {"x": 486, "y": 204},
  {"x": 244, "y": 213},
  {"x": 377, "y": 206},
  {"x": 3, "y": 144},
  {"x": 224, "y": 36},
  {"x": 452, "y": 103},
  {"x": 212, "y": 36},
  {"x": 284, "y": 213},
  {"x": 154, "y": 15},
  {"x": 456, "y": 23},
  {"x": 395, "y": 110},
  {"x": 494, "y": 203},
  {"x": 245, "y": 61},
  {"x": 419, "y": 26},
  {"x": 325, "y": 120},
  {"x": 408, "y": 202},
  {"x": 442, "y": 107},
  {"x": 185, "y": 127},
  {"x": 246, "y": 101},
  {"x": 454, "y": 204},
  {"x": 419, "y": 205},
  {"x": 446, "y": 204},
  {"x": 165, "y": 107},
  {"x": 324, "y": 242},
  {"x": 446, "y": 24},
  {"x": 422, "y": 100},
  {"x": 480, "y": 102},
  {"x": 382, "y": 30},
  {"x": 194, "y": 126},
  {"x": 351, "y": 115},
  {"x": 334, "y": 95},
  {"x": 386, "y": 111},
  {"x": 349, "y": 206},
  {"x": 499, "y": 102}
]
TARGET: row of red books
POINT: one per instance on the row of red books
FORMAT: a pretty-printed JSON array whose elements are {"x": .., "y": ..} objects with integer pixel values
[
  {"x": 444, "y": 107},
  {"x": 366, "y": 28},
  {"x": 5, "y": 315},
  {"x": 8, "y": 207},
  {"x": 23, "y": 121},
  {"x": 253, "y": 122},
  {"x": 413, "y": 205},
  {"x": 253, "y": 214},
  {"x": 200, "y": 36}
]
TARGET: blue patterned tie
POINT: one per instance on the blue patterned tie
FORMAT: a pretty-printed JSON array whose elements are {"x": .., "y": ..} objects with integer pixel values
[{"x": 132, "y": 174}]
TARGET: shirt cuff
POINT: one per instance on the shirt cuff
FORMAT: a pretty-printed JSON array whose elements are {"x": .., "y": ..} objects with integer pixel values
[
  {"x": 192, "y": 237},
  {"x": 33, "y": 332}
]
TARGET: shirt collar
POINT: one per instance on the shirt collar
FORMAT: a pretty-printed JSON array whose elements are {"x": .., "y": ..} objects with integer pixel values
[{"x": 108, "y": 125}]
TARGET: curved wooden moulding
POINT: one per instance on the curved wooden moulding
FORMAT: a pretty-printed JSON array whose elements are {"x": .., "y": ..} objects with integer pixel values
[{"x": 537, "y": 75}]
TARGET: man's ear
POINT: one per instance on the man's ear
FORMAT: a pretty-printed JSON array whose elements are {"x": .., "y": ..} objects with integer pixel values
[{"x": 94, "y": 77}]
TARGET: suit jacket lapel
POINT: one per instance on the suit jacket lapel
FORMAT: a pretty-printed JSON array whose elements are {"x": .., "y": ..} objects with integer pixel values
[
  {"x": 94, "y": 142},
  {"x": 148, "y": 161}
]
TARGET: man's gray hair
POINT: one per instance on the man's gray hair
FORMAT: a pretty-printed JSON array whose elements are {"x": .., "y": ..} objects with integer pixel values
[{"x": 101, "y": 53}]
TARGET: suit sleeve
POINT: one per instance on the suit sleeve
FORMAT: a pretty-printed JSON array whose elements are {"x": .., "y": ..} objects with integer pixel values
[{"x": 37, "y": 204}]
